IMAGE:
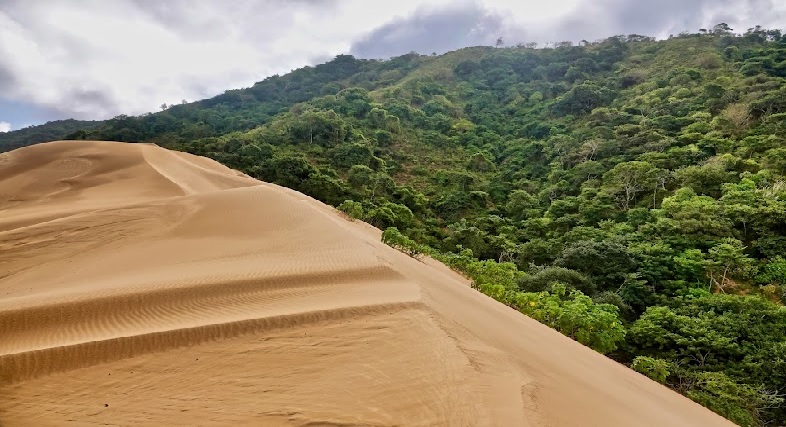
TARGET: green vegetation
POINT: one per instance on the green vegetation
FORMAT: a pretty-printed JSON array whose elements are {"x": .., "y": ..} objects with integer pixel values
[
  {"x": 629, "y": 192},
  {"x": 393, "y": 238},
  {"x": 576, "y": 315},
  {"x": 60, "y": 129}
]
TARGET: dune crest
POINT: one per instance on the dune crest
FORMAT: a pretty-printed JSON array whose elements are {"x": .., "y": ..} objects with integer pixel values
[{"x": 141, "y": 286}]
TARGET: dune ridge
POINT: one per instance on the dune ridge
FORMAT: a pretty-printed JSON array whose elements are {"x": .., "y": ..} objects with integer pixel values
[
  {"x": 140, "y": 286},
  {"x": 28, "y": 364},
  {"x": 107, "y": 316}
]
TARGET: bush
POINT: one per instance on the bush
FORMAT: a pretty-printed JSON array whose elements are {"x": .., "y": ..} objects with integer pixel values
[
  {"x": 573, "y": 314},
  {"x": 489, "y": 271},
  {"x": 393, "y": 238},
  {"x": 544, "y": 278},
  {"x": 656, "y": 369},
  {"x": 352, "y": 208},
  {"x": 741, "y": 403}
]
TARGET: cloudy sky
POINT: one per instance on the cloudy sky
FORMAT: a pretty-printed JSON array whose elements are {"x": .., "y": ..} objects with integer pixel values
[{"x": 94, "y": 59}]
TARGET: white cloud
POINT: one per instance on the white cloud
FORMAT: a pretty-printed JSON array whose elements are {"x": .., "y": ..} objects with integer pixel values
[
  {"x": 5, "y": 127},
  {"x": 95, "y": 58},
  {"x": 102, "y": 58}
]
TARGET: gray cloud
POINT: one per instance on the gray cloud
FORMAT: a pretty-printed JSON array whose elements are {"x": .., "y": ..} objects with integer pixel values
[
  {"x": 96, "y": 97},
  {"x": 7, "y": 79},
  {"x": 430, "y": 30},
  {"x": 249, "y": 20},
  {"x": 600, "y": 19},
  {"x": 475, "y": 23},
  {"x": 98, "y": 59}
]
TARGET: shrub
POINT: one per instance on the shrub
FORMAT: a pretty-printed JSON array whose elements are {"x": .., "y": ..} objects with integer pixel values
[
  {"x": 656, "y": 369},
  {"x": 393, "y": 238},
  {"x": 573, "y": 314},
  {"x": 352, "y": 208}
]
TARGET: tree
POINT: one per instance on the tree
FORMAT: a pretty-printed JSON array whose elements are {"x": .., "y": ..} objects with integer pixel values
[
  {"x": 354, "y": 101},
  {"x": 706, "y": 179},
  {"x": 607, "y": 263},
  {"x": 348, "y": 155},
  {"x": 582, "y": 99},
  {"x": 543, "y": 279},
  {"x": 739, "y": 202},
  {"x": 742, "y": 403},
  {"x": 289, "y": 170},
  {"x": 722, "y": 29},
  {"x": 727, "y": 260},
  {"x": 479, "y": 162},
  {"x": 721, "y": 348},
  {"x": 324, "y": 128},
  {"x": 626, "y": 181},
  {"x": 689, "y": 220},
  {"x": 522, "y": 205}
]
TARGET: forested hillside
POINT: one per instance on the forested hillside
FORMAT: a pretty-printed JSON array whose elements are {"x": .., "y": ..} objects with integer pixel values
[
  {"x": 59, "y": 129},
  {"x": 630, "y": 193}
]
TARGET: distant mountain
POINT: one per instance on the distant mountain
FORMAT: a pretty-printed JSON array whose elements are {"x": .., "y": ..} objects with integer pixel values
[{"x": 50, "y": 131}]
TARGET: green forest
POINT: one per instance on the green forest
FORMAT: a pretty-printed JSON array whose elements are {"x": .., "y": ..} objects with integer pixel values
[{"x": 629, "y": 192}]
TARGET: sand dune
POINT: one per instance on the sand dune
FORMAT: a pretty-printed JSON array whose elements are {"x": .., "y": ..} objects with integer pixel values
[{"x": 140, "y": 286}]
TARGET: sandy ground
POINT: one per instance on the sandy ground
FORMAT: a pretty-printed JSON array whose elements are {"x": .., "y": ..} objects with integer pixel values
[{"x": 140, "y": 286}]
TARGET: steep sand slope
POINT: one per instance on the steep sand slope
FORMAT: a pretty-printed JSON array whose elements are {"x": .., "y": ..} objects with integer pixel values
[{"x": 140, "y": 286}]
